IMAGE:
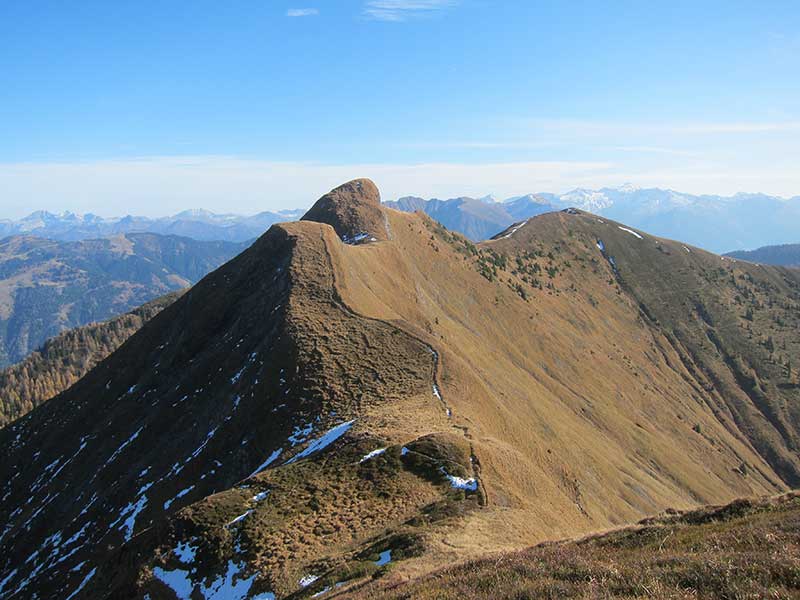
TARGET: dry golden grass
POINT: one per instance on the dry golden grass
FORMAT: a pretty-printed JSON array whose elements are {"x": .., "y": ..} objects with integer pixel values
[
  {"x": 747, "y": 550},
  {"x": 580, "y": 412}
]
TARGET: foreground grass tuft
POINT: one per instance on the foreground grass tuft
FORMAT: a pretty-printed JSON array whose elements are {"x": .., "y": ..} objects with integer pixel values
[{"x": 747, "y": 549}]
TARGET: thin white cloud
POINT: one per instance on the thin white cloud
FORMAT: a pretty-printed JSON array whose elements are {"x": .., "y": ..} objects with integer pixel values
[
  {"x": 166, "y": 185},
  {"x": 158, "y": 186},
  {"x": 302, "y": 12},
  {"x": 616, "y": 128},
  {"x": 656, "y": 150},
  {"x": 403, "y": 10}
]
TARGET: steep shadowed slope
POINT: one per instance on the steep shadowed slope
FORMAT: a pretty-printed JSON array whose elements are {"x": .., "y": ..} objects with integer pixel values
[
  {"x": 67, "y": 357},
  {"x": 314, "y": 409}
]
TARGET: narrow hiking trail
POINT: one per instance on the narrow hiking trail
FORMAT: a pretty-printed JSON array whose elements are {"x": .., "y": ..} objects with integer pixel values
[{"x": 436, "y": 387}]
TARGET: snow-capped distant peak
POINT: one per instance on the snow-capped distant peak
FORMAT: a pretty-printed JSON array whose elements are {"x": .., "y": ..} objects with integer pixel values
[
  {"x": 489, "y": 199},
  {"x": 195, "y": 213},
  {"x": 529, "y": 198},
  {"x": 628, "y": 188},
  {"x": 588, "y": 200}
]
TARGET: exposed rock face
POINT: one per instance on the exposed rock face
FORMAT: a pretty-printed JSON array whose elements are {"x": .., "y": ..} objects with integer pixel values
[{"x": 353, "y": 210}]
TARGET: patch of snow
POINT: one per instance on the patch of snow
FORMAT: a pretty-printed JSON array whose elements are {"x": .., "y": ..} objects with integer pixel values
[
  {"x": 514, "y": 230},
  {"x": 588, "y": 200},
  {"x": 264, "y": 596},
  {"x": 270, "y": 459},
  {"x": 436, "y": 391},
  {"x": 372, "y": 454},
  {"x": 202, "y": 446},
  {"x": 8, "y": 578},
  {"x": 459, "y": 483},
  {"x": 185, "y": 552},
  {"x": 131, "y": 512},
  {"x": 238, "y": 375},
  {"x": 322, "y": 592},
  {"x": 324, "y": 441},
  {"x": 124, "y": 445},
  {"x": 300, "y": 434},
  {"x": 52, "y": 465},
  {"x": 86, "y": 508},
  {"x": 83, "y": 583},
  {"x": 384, "y": 558},
  {"x": 74, "y": 538},
  {"x": 403, "y": 451},
  {"x": 180, "y": 494},
  {"x": 240, "y": 518},
  {"x": 601, "y": 245},
  {"x": 359, "y": 237},
  {"x": 687, "y": 249},
  {"x": 631, "y": 231},
  {"x": 177, "y": 580},
  {"x": 260, "y": 497},
  {"x": 307, "y": 580},
  {"x": 628, "y": 188},
  {"x": 230, "y": 586}
]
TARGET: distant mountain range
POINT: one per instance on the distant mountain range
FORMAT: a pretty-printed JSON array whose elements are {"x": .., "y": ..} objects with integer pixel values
[
  {"x": 477, "y": 218},
  {"x": 786, "y": 255},
  {"x": 48, "y": 286},
  {"x": 717, "y": 223},
  {"x": 197, "y": 224}
]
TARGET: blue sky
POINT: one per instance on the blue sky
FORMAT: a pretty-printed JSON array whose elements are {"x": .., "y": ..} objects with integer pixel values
[{"x": 152, "y": 107}]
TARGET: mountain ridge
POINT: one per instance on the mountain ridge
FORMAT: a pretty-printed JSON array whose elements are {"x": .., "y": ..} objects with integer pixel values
[
  {"x": 787, "y": 255},
  {"x": 718, "y": 223},
  {"x": 316, "y": 403},
  {"x": 199, "y": 224}
]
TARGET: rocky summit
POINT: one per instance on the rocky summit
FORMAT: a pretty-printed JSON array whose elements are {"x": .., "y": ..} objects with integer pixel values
[{"x": 363, "y": 397}]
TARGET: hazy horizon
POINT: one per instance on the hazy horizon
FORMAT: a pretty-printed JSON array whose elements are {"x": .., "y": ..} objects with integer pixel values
[
  {"x": 109, "y": 214},
  {"x": 152, "y": 109}
]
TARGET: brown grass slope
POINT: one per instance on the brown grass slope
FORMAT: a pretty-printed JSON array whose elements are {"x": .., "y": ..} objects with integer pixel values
[
  {"x": 532, "y": 365},
  {"x": 746, "y": 549},
  {"x": 65, "y": 358},
  {"x": 733, "y": 324},
  {"x": 581, "y": 410}
]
